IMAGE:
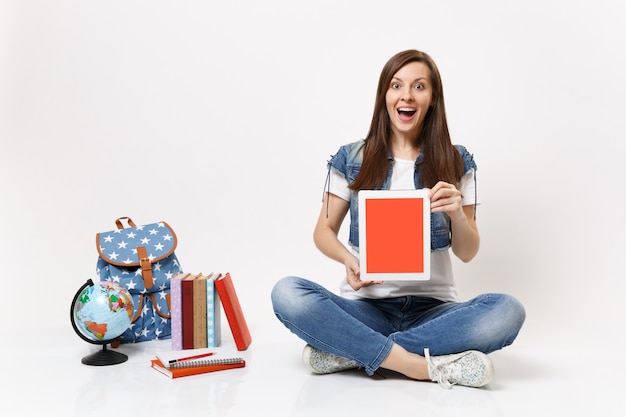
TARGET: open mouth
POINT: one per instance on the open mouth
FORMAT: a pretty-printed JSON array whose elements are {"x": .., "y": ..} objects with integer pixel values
[{"x": 406, "y": 112}]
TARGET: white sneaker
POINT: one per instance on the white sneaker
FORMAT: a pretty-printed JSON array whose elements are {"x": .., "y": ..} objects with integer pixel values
[
  {"x": 322, "y": 362},
  {"x": 471, "y": 369}
]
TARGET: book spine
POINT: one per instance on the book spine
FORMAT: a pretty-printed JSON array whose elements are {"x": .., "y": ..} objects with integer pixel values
[
  {"x": 176, "y": 311},
  {"x": 233, "y": 311},
  {"x": 199, "y": 312},
  {"x": 212, "y": 338},
  {"x": 187, "y": 312},
  {"x": 217, "y": 308}
]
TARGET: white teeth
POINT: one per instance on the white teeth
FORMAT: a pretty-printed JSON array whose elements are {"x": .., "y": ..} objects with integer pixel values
[{"x": 405, "y": 109}]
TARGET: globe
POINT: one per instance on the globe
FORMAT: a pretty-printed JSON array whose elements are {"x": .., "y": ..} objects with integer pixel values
[{"x": 100, "y": 313}]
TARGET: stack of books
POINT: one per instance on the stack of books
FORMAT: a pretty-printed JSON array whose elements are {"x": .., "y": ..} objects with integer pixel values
[
  {"x": 196, "y": 304},
  {"x": 194, "y": 362}
]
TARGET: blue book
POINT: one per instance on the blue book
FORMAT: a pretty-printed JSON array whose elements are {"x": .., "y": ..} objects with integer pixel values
[{"x": 213, "y": 311}]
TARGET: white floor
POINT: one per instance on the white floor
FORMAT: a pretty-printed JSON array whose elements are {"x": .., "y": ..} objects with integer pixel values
[{"x": 51, "y": 379}]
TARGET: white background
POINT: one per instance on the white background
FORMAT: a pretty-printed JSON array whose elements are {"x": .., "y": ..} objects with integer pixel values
[{"x": 219, "y": 117}]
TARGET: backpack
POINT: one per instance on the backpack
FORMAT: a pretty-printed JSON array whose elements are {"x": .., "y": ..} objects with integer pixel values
[{"x": 142, "y": 260}]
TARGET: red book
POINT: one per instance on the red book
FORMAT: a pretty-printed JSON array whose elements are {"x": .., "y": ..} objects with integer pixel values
[
  {"x": 187, "y": 311},
  {"x": 232, "y": 309},
  {"x": 195, "y": 370}
]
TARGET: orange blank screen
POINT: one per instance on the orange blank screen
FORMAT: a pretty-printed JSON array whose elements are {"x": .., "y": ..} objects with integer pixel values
[{"x": 395, "y": 235}]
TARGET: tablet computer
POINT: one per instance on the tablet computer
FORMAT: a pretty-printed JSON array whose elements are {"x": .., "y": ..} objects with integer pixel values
[{"x": 394, "y": 235}]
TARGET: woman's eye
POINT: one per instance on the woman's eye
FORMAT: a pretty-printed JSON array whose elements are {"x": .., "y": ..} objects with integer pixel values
[
  {"x": 395, "y": 85},
  {"x": 419, "y": 86}
]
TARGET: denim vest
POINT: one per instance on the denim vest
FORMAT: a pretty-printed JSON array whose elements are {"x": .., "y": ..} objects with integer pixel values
[{"x": 347, "y": 161}]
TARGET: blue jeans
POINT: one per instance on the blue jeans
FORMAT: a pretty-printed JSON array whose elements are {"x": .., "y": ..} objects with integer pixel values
[{"x": 365, "y": 330}]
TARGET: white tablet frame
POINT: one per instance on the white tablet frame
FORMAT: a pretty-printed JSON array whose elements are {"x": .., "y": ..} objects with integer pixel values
[{"x": 382, "y": 274}]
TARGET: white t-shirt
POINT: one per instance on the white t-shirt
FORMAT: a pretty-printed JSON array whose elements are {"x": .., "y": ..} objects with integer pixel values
[{"x": 441, "y": 284}]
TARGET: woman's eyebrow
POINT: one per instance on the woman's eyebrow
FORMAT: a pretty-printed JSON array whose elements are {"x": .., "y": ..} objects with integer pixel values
[{"x": 417, "y": 79}]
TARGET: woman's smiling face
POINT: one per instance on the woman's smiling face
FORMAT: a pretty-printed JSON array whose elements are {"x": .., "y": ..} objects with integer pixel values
[{"x": 408, "y": 98}]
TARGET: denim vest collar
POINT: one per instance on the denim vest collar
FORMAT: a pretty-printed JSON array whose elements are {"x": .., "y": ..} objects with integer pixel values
[{"x": 347, "y": 162}]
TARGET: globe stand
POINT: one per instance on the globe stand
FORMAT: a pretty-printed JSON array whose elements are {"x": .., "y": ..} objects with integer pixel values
[{"x": 104, "y": 357}]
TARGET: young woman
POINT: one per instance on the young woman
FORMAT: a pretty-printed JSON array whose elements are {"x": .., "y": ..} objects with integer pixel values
[{"x": 418, "y": 328}]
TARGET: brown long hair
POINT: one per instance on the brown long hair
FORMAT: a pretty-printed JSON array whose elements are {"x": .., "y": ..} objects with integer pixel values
[{"x": 441, "y": 159}]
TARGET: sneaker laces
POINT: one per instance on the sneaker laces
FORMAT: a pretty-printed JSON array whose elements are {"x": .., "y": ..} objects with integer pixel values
[
  {"x": 436, "y": 370},
  {"x": 470, "y": 368}
]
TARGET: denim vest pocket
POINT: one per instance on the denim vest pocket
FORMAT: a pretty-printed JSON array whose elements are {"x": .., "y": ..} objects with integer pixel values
[{"x": 440, "y": 238}]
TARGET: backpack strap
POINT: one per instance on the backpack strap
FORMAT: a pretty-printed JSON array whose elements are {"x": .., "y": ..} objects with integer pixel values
[
  {"x": 146, "y": 267},
  {"x": 156, "y": 306},
  {"x": 129, "y": 221}
]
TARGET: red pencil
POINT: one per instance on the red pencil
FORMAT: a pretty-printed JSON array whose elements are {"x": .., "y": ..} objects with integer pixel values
[{"x": 204, "y": 355}]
